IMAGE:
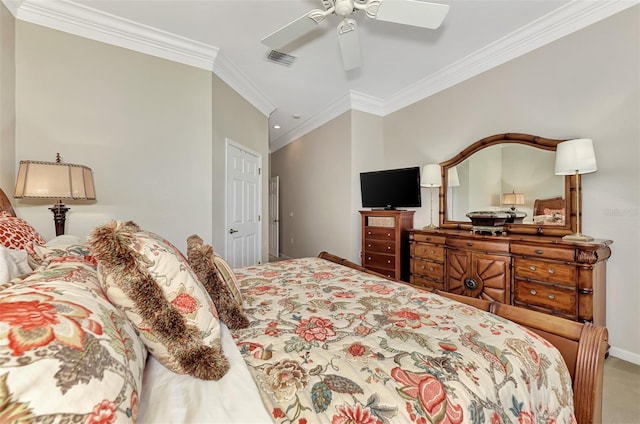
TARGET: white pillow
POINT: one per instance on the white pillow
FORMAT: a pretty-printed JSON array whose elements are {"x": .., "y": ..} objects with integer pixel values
[
  {"x": 13, "y": 263},
  {"x": 65, "y": 239}
]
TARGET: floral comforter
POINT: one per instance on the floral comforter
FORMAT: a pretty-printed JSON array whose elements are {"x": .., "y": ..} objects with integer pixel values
[{"x": 331, "y": 344}]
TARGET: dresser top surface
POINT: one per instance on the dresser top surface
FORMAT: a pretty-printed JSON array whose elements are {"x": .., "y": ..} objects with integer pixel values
[{"x": 514, "y": 238}]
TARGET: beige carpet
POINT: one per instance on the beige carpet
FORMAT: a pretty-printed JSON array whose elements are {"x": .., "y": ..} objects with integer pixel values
[{"x": 621, "y": 394}]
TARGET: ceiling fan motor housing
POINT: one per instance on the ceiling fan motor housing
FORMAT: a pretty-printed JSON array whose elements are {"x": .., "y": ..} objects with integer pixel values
[{"x": 344, "y": 8}]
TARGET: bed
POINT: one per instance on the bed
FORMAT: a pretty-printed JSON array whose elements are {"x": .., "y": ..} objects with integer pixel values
[
  {"x": 326, "y": 341},
  {"x": 551, "y": 211}
]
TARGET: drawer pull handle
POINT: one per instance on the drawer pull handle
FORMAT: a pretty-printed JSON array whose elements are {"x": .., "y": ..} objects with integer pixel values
[
  {"x": 469, "y": 244},
  {"x": 539, "y": 251},
  {"x": 431, "y": 268},
  {"x": 552, "y": 271},
  {"x": 533, "y": 292},
  {"x": 532, "y": 267},
  {"x": 471, "y": 284},
  {"x": 388, "y": 261},
  {"x": 432, "y": 252},
  {"x": 422, "y": 267},
  {"x": 369, "y": 258},
  {"x": 388, "y": 247},
  {"x": 368, "y": 233},
  {"x": 388, "y": 234},
  {"x": 551, "y": 296},
  {"x": 369, "y": 245}
]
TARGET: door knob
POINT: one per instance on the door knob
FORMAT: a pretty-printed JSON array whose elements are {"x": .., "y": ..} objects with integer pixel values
[{"x": 231, "y": 231}]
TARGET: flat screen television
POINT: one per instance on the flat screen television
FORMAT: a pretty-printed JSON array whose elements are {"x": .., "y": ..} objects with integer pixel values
[{"x": 391, "y": 188}]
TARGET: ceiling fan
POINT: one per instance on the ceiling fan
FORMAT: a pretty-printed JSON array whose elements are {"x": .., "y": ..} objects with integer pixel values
[{"x": 408, "y": 12}]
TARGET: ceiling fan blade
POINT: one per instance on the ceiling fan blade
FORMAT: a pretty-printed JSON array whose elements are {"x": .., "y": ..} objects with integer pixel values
[
  {"x": 294, "y": 29},
  {"x": 410, "y": 12},
  {"x": 349, "y": 44}
]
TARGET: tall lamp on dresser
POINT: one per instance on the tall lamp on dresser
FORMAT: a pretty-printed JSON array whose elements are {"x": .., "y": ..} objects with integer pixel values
[
  {"x": 576, "y": 157},
  {"x": 431, "y": 178}
]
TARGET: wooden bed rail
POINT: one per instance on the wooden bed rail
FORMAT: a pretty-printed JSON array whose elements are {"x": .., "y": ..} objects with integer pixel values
[{"x": 582, "y": 345}]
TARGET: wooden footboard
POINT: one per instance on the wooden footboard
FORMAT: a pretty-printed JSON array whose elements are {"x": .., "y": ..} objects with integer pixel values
[{"x": 582, "y": 345}]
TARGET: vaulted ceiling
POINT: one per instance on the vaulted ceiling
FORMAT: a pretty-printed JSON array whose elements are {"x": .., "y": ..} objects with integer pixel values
[{"x": 400, "y": 64}]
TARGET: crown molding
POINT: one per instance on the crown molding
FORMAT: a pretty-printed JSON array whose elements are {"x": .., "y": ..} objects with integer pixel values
[
  {"x": 563, "y": 21},
  {"x": 366, "y": 103},
  {"x": 353, "y": 100},
  {"x": 231, "y": 75},
  {"x": 331, "y": 111},
  {"x": 77, "y": 19},
  {"x": 73, "y": 18}
]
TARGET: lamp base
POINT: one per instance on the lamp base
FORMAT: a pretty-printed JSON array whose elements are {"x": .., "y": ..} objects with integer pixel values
[
  {"x": 430, "y": 227},
  {"x": 59, "y": 216},
  {"x": 577, "y": 237}
]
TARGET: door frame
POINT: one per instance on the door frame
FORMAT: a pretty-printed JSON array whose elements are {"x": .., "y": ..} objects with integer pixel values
[{"x": 274, "y": 216}]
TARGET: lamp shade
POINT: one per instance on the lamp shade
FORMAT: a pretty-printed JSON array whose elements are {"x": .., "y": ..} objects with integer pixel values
[
  {"x": 453, "y": 180},
  {"x": 431, "y": 176},
  {"x": 575, "y": 156},
  {"x": 54, "y": 180},
  {"x": 513, "y": 199}
]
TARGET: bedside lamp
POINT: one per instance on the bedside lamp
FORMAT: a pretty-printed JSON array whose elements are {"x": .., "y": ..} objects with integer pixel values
[
  {"x": 54, "y": 180},
  {"x": 431, "y": 178},
  {"x": 576, "y": 157},
  {"x": 513, "y": 199}
]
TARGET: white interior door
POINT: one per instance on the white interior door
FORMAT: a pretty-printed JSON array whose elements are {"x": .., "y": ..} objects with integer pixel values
[
  {"x": 243, "y": 223},
  {"x": 274, "y": 216}
]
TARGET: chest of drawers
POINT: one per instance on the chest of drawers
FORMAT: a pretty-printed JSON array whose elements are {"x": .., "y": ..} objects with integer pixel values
[
  {"x": 385, "y": 242},
  {"x": 542, "y": 273}
]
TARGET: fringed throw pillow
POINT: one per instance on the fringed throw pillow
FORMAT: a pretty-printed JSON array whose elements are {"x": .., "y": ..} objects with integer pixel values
[
  {"x": 201, "y": 259},
  {"x": 151, "y": 281}
]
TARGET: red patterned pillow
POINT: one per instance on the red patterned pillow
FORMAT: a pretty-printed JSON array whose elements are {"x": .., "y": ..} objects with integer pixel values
[{"x": 15, "y": 233}]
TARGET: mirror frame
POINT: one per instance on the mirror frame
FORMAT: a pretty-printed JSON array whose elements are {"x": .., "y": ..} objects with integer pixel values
[{"x": 571, "y": 186}]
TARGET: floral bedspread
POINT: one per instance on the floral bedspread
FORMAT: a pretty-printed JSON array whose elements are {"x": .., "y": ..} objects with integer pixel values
[{"x": 329, "y": 344}]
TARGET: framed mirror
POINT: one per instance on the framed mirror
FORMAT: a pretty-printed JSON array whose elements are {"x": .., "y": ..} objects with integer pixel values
[{"x": 513, "y": 173}]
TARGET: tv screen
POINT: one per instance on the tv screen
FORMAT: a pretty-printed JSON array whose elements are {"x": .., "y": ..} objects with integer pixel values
[{"x": 391, "y": 188}]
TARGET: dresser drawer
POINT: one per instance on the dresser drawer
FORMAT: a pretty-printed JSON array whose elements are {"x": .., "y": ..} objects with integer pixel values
[
  {"x": 427, "y": 251},
  {"x": 480, "y": 245},
  {"x": 379, "y": 260},
  {"x": 426, "y": 283},
  {"x": 429, "y": 269},
  {"x": 379, "y": 246},
  {"x": 555, "y": 298},
  {"x": 389, "y": 273},
  {"x": 428, "y": 238},
  {"x": 379, "y": 233},
  {"x": 551, "y": 272},
  {"x": 556, "y": 253}
]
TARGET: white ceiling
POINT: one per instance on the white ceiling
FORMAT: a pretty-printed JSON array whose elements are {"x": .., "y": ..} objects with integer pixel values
[{"x": 401, "y": 64}]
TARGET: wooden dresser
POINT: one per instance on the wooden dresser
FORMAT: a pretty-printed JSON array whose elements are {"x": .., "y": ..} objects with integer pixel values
[
  {"x": 385, "y": 242},
  {"x": 543, "y": 273}
]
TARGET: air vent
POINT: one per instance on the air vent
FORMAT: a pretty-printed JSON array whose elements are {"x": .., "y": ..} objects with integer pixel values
[{"x": 281, "y": 58}]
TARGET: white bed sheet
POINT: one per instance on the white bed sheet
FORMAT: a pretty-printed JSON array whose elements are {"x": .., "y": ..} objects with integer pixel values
[{"x": 168, "y": 397}]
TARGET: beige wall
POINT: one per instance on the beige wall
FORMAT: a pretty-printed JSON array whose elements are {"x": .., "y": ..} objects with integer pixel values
[
  {"x": 584, "y": 85},
  {"x": 236, "y": 119},
  {"x": 145, "y": 126},
  {"x": 315, "y": 193},
  {"x": 7, "y": 99}
]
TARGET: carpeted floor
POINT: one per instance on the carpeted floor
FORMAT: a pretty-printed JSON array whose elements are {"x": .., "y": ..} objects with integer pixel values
[{"x": 621, "y": 392}]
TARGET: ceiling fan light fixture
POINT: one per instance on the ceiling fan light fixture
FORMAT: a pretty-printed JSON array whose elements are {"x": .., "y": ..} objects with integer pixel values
[{"x": 418, "y": 13}]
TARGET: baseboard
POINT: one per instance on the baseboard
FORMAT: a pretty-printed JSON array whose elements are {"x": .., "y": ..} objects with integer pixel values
[{"x": 625, "y": 355}]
